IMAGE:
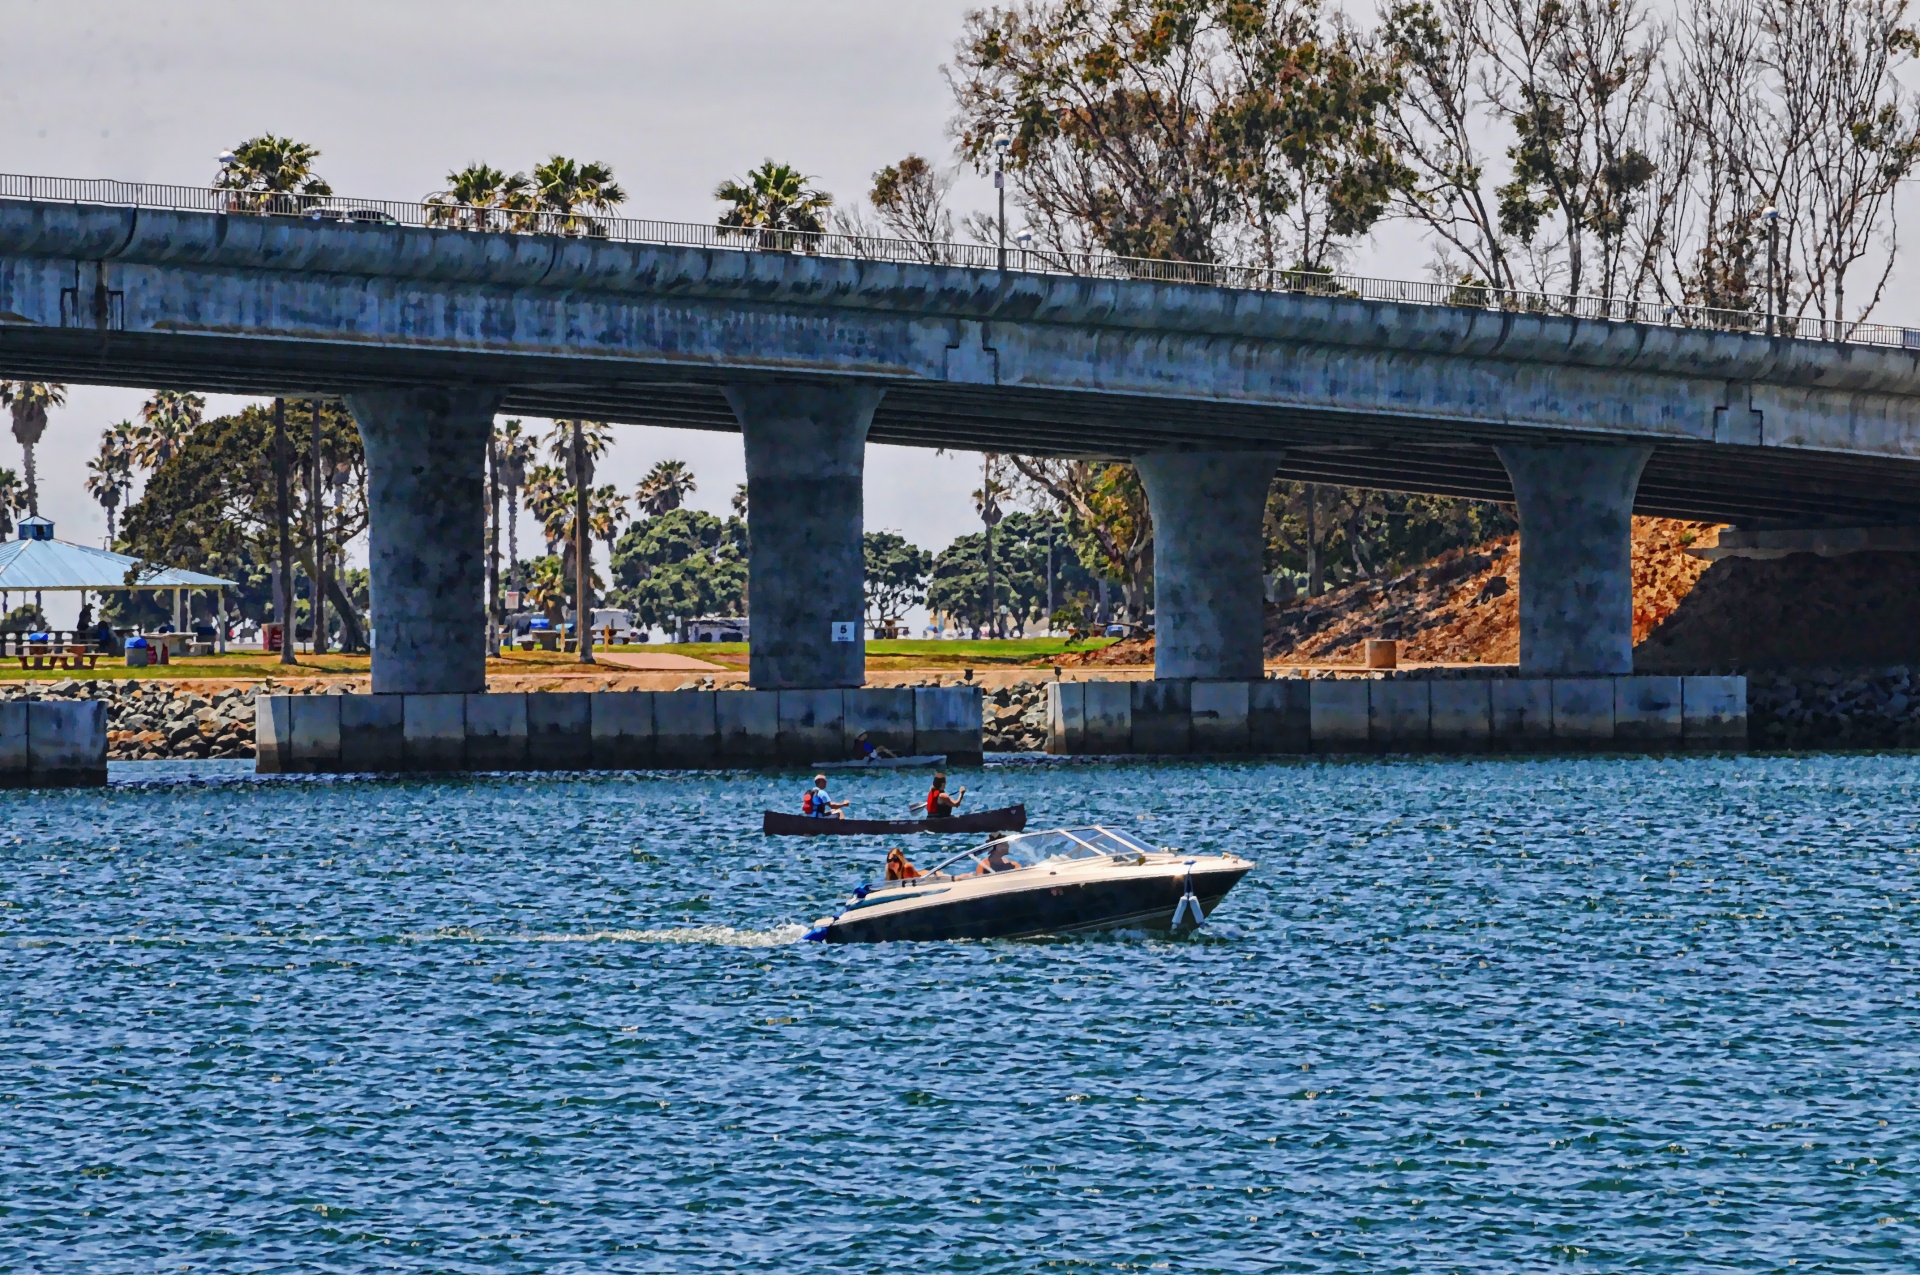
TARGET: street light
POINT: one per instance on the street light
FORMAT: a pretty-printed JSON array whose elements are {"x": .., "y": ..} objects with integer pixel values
[
  {"x": 1772, "y": 217},
  {"x": 1001, "y": 145}
]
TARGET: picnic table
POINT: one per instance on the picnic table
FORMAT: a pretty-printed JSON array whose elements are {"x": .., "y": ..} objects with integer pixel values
[{"x": 45, "y": 655}]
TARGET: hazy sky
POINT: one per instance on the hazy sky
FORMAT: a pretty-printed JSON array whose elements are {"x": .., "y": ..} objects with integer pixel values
[{"x": 675, "y": 96}]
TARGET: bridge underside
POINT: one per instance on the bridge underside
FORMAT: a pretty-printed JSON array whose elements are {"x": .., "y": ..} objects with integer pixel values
[{"x": 1697, "y": 480}]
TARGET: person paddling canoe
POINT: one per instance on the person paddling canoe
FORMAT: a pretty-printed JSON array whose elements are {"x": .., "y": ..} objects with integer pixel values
[
  {"x": 816, "y": 804},
  {"x": 940, "y": 803}
]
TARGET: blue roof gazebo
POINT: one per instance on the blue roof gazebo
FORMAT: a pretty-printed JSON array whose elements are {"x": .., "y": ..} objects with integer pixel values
[{"x": 37, "y": 563}]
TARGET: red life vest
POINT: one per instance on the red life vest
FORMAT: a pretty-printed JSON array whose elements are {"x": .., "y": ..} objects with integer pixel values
[
  {"x": 807, "y": 802},
  {"x": 933, "y": 796}
]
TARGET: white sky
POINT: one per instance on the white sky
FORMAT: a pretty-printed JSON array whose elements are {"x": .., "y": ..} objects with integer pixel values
[{"x": 675, "y": 96}]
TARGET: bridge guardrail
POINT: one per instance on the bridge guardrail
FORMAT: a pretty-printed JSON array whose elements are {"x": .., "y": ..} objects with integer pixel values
[{"x": 1020, "y": 259}]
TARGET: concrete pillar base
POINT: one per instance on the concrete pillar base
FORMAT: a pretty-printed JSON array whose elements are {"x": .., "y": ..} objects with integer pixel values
[
  {"x": 1208, "y": 608},
  {"x": 604, "y": 730},
  {"x": 806, "y": 458},
  {"x": 1399, "y": 715},
  {"x": 53, "y": 744},
  {"x": 1576, "y": 556},
  {"x": 426, "y": 461}
]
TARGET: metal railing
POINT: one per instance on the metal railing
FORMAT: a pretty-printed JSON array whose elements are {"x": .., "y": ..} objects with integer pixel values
[{"x": 535, "y": 221}]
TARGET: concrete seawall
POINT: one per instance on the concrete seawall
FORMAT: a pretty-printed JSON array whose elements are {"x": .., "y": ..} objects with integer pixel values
[
  {"x": 1398, "y": 715},
  {"x": 53, "y": 744},
  {"x": 609, "y": 730}
]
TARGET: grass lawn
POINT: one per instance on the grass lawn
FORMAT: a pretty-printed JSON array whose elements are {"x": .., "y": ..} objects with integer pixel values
[
  {"x": 255, "y": 665},
  {"x": 904, "y": 653},
  {"x": 242, "y": 665}
]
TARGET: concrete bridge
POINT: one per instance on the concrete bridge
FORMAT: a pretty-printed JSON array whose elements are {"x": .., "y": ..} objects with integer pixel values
[{"x": 428, "y": 332}]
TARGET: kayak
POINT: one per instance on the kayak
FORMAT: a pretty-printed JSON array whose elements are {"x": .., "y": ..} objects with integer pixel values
[
  {"x": 780, "y": 824},
  {"x": 883, "y": 763}
]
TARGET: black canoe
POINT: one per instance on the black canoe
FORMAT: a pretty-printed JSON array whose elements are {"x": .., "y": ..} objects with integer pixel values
[{"x": 778, "y": 824}]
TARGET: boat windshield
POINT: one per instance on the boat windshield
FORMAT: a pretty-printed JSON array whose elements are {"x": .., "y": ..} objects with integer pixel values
[{"x": 1028, "y": 849}]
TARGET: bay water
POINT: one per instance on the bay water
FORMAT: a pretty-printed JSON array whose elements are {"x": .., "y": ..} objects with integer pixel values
[{"x": 1466, "y": 1015}]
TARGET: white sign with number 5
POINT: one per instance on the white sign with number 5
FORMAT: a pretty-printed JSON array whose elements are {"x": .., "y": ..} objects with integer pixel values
[{"x": 846, "y": 630}]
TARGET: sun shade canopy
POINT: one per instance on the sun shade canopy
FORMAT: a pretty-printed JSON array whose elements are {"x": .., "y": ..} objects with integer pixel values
[{"x": 53, "y": 565}]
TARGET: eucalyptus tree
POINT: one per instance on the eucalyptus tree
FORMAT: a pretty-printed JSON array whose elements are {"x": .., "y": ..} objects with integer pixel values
[
  {"x": 910, "y": 198},
  {"x": 29, "y": 402},
  {"x": 1192, "y": 130}
]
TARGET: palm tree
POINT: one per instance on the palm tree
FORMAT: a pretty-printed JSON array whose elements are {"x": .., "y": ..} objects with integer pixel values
[
  {"x": 595, "y": 438},
  {"x": 110, "y": 474},
  {"x": 10, "y": 498},
  {"x": 665, "y": 488},
  {"x": 481, "y": 197},
  {"x": 166, "y": 421},
  {"x": 987, "y": 502},
  {"x": 271, "y": 174},
  {"x": 515, "y": 451},
  {"x": 549, "y": 500},
  {"x": 566, "y": 187},
  {"x": 774, "y": 198},
  {"x": 547, "y": 589},
  {"x": 609, "y": 511},
  {"x": 29, "y": 401}
]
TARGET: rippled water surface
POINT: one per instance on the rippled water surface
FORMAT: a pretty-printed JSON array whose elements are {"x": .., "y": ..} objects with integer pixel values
[{"x": 1466, "y": 1015}]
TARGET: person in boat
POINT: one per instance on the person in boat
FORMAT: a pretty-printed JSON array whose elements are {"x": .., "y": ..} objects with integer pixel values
[
  {"x": 898, "y": 869},
  {"x": 816, "y": 804},
  {"x": 996, "y": 861},
  {"x": 940, "y": 803},
  {"x": 870, "y": 751}
]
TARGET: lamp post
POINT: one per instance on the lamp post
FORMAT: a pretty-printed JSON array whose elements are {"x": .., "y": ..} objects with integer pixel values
[
  {"x": 1001, "y": 145},
  {"x": 1772, "y": 217}
]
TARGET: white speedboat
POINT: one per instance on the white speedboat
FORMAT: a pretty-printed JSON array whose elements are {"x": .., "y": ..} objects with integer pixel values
[{"x": 1068, "y": 881}]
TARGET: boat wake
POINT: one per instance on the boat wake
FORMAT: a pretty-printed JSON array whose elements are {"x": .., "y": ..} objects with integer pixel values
[{"x": 696, "y": 935}]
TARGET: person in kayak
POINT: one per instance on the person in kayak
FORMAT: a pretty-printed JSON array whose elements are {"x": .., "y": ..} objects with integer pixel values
[
  {"x": 940, "y": 803},
  {"x": 816, "y": 804},
  {"x": 869, "y": 751}
]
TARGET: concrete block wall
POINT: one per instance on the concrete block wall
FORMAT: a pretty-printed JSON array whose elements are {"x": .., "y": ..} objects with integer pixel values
[
  {"x": 53, "y": 744},
  {"x": 610, "y": 730},
  {"x": 1398, "y": 715}
]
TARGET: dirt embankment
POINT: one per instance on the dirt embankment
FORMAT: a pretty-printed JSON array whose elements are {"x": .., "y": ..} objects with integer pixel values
[
  {"x": 1859, "y": 610},
  {"x": 1464, "y": 606}
]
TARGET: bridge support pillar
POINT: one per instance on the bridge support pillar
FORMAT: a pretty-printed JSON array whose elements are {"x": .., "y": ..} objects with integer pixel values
[
  {"x": 1576, "y": 555},
  {"x": 1208, "y": 602},
  {"x": 806, "y": 456},
  {"x": 426, "y": 453}
]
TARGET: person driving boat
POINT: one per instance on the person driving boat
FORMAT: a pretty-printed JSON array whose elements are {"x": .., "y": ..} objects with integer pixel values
[{"x": 996, "y": 860}]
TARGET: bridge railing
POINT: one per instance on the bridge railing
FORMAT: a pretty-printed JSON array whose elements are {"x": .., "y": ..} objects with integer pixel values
[{"x": 1027, "y": 260}]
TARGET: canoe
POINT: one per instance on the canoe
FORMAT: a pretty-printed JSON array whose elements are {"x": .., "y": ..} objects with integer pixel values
[
  {"x": 882, "y": 763},
  {"x": 780, "y": 824}
]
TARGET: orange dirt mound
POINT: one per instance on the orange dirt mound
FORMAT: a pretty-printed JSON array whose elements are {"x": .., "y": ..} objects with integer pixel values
[{"x": 1464, "y": 606}]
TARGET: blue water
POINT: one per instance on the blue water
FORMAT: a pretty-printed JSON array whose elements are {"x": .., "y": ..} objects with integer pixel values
[{"x": 1465, "y": 1016}]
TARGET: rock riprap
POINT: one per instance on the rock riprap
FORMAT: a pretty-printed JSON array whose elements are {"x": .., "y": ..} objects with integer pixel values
[{"x": 163, "y": 721}]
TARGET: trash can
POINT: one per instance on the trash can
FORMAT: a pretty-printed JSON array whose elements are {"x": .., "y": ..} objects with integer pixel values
[{"x": 138, "y": 652}]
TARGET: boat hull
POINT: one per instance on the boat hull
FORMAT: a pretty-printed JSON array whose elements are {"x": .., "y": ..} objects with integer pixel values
[
  {"x": 1145, "y": 901},
  {"x": 776, "y": 823}
]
